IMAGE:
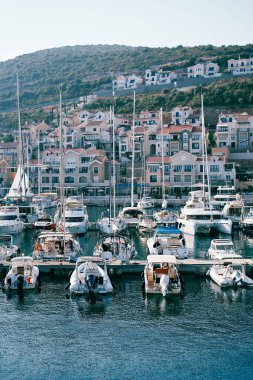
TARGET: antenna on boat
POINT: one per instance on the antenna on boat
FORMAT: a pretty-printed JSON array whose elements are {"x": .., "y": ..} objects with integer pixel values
[{"x": 133, "y": 154}]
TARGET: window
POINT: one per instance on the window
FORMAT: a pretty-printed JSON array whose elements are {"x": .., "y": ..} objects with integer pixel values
[
  {"x": 153, "y": 178},
  {"x": 222, "y": 129},
  {"x": 188, "y": 168},
  {"x": 69, "y": 179},
  {"x": 83, "y": 179},
  {"x": 55, "y": 179},
  {"x": 45, "y": 179},
  {"x": 214, "y": 168},
  {"x": 83, "y": 170},
  {"x": 185, "y": 137},
  {"x": 177, "y": 168},
  {"x": 177, "y": 178},
  {"x": 95, "y": 170},
  {"x": 187, "y": 178},
  {"x": 166, "y": 169},
  {"x": 195, "y": 145},
  {"x": 153, "y": 168},
  {"x": 195, "y": 137}
]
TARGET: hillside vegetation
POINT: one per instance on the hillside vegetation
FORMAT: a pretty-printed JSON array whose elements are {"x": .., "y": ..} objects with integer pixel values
[{"x": 82, "y": 69}]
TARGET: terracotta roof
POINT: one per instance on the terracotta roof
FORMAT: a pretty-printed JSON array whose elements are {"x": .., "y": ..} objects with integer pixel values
[
  {"x": 180, "y": 128},
  {"x": 157, "y": 160},
  {"x": 4, "y": 164},
  {"x": 94, "y": 123}
]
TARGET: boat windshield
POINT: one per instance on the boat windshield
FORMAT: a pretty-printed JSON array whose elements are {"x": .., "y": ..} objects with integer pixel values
[
  {"x": 8, "y": 217},
  {"x": 74, "y": 219}
]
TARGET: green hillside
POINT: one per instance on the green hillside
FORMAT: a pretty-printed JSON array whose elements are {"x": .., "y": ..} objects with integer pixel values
[{"x": 82, "y": 69}]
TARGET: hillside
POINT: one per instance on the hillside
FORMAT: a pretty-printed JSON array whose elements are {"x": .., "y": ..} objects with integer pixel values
[{"x": 82, "y": 69}]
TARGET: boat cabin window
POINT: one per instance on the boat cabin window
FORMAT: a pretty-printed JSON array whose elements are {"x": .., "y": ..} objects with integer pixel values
[
  {"x": 20, "y": 270},
  {"x": 8, "y": 217},
  {"x": 73, "y": 219}
]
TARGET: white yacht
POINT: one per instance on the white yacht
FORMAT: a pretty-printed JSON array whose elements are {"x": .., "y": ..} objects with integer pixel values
[
  {"x": 161, "y": 275},
  {"x": 230, "y": 275},
  {"x": 233, "y": 210},
  {"x": 22, "y": 275},
  {"x": 145, "y": 203},
  {"x": 167, "y": 241},
  {"x": 166, "y": 217},
  {"x": 224, "y": 194},
  {"x": 115, "y": 247},
  {"x": 110, "y": 225},
  {"x": 74, "y": 218},
  {"x": 8, "y": 250},
  {"x": 44, "y": 200},
  {"x": 146, "y": 224},
  {"x": 44, "y": 222},
  {"x": 246, "y": 221},
  {"x": 88, "y": 277},
  {"x": 10, "y": 222},
  {"x": 56, "y": 246},
  {"x": 222, "y": 249},
  {"x": 131, "y": 215}
]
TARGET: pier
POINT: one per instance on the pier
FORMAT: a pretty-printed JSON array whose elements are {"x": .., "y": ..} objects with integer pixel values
[{"x": 193, "y": 266}]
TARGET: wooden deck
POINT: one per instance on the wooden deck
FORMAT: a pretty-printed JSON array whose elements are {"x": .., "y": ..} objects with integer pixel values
[{"x": 190, "y": 266}]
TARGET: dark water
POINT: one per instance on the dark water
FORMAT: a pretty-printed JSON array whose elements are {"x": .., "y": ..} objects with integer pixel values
[{"x": 206, "y": 335}]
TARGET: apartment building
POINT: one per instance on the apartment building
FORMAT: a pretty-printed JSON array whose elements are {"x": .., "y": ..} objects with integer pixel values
[
  {"x": 162, "y": 76},
  {"x": 204, "y": 70},
  {"x": 241, "y": 65}
]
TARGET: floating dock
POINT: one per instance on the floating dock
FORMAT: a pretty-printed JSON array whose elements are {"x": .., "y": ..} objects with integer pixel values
[{"x": 133, "y": 267}]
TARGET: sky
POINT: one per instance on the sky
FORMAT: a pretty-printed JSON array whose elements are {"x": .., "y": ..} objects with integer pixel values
[{"x": 30, "y": 25}]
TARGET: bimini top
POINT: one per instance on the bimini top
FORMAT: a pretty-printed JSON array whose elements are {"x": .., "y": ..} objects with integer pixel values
[
  {"x": 168, "y": 230},
  {"x": 157, "y": 259}
]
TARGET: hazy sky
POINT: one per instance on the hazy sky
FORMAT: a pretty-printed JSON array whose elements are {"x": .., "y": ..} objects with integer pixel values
[{"x": 30, "y": 25}]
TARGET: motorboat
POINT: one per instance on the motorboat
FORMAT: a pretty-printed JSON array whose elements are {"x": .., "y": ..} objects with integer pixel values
[
  {"x": 165, "y": 217},
  {"x": 115, "y": 247},
  {"x": 131, "y": 215},
  {"x": 89, "y": 277},
  {"x": 10, "y": 222},
  {"x": 146, "y": 203},
  {"x": 228, "y": 275},
  {"x": 22, "y": 275},
  {"x": 8, "y": 250},
  {"x": 74, "y": 218},
  {"x": 246, "y": 221},
  {"x": 44, "y": 200},
  {"x": 233, "y": 210},
  {"x": 28, "y": 214},
  {"x": 110, "y": 225},
  {"x": 222, "y": 249},
  {"x": 167, "y": 241},
  {"x": 56, "y": 246},
  {"x": 44, "y": 222},
  {"x": 224, "y": 195},
  {"x": 161, "y": 275},
  {"x": 146, "y": 224}
]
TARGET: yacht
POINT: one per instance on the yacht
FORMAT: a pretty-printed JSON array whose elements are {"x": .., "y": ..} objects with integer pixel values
[
  {"x": 246, "y": 221},
  {"x": 115, "y": 247},
  {"x": 44, "y": 222},
  {"x": 145, "y": 203},
  {"x": 8, "y": 250},
  {"x": 230, "y": 275},
  {"x": 146, "y": 224},
  {"x": 233, "y": 210},
  {"x": 88, "y": 277},
  {"x": 131, "y": 215},
  {"x": 167, "y": 241},
  {"x": 74, "y": 218},
  {"x": 199, "y": 214},
  {"x": 165, "y": 217},
  {"x": 28, "y": 214},
  {"x": 110, "y": 225},
  {"x": 222, "y": 249},
  {"x": 56, "y": 246},
  {"x": 225, "y": 194},
  {"x": 10, "y": 222},
  {"x": 22, "y": 275},
  {"x": 44, "y": 200},
  {"x": 161, "y": 275}
]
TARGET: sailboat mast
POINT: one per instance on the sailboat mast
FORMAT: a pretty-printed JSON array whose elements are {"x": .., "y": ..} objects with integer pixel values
[
  {"x": 21, "y": 158},
  {"x": 205, "y": 161},
  {"x": 133, "y": 154},
  {"x": 113, "y": 165},
  {"x": 110, "y": 168},
  {"x": 62, "y": 199},
  {"x": 163, "y": 176}
]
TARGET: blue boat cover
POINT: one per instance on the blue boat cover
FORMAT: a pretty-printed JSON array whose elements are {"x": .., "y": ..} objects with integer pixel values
[{"x": 168, "y": 230}]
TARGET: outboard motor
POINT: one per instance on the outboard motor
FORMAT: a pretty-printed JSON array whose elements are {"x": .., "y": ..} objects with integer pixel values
[
  {"x": 164, "y": 283},
  {"x": 91, "y": 282},
  {"x": 237, "y": 278},
  {"x": 20, "y": 282}
]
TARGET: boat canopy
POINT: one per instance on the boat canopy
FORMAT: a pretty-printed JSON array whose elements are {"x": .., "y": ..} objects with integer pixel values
[{"x": 168, "y": 230}]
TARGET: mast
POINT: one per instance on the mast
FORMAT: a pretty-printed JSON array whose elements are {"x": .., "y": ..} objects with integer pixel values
[
  {"x": 110, "y": 169},
  {"x": 133, "y": 154},
  {"x": 39, "y": 168},
  {"x": 163, "y": 176},
  {"x": 204, "y": 155},
  {"x": 62, "y": 206},
  {"x": 21, "y": 158},
  {"x": 113, "y": 165}
]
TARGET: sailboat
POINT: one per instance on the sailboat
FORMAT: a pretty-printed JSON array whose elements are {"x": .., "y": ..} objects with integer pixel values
[
  {"x": 112, "y": 224},
  {"x": 204, "y": 218},
  {"x": 164, "y": 216},
  {"x": 132, "y": 214}
]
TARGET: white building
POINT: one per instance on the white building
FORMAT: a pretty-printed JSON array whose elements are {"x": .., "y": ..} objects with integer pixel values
[
  {"x": 153, "y": 77},
  {"x": 240, "y": 65},
  {"x": 204, "y": 70},
  {"x": 129, "y": 81},
  {"x": 180, "y": 115}
]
